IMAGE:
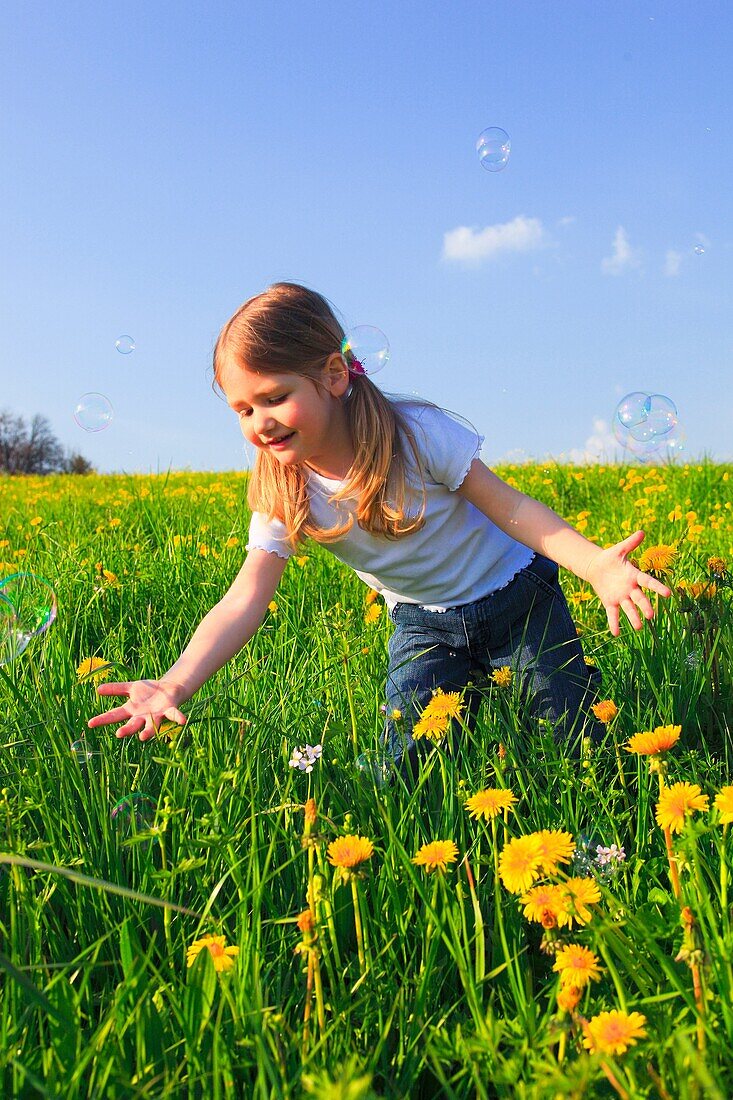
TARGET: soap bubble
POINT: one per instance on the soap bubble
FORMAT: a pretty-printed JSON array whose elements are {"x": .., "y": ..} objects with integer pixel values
[
  {"x": 27, "y": 609},
  {"x": 81, "y": 753},
  {"x": 646, "y": 425},
  {"x": 633, "y": 409},
  {"x": 699, "y": 250},
  {"x": 660, "y": 417},
  {"x": 125, "y": 345},
  {"x": 135, "y": 811},
  {"x": 366, "y": 349},
  {"x": 493, "y": 147},
  {"x": 375, "y": 766},
  {"x": 93, "y": 412}
]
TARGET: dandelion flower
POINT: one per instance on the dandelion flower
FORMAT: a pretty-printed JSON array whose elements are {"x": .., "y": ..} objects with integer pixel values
[
  {"x": 676, "y": 803},
  {"x": 568, "y": 998},
  {"x": 717, "y": 566},
  {"x": 519, "y": 863},
  {"x": 724, "y": 805},
  {"x": 372, "y": 613},
  {"x": 577, "y": 895},
  {"x": 445, "y": 704},
  {"x": 92, "y": 668},
  {"x": 658, "y": 560},
  {"x": 305, "y": 921},
  {"x": 432, "y": 726},
  {"x": 613, "y": 1032},
  {"x": 503, "y": 676},
  {"x": 605, "y": 711},
  {"x": 652, "y": 743},
  {"x": 436, "y": 855},
  {"x": 489, "y": 803},
  {"x": 310, "y": 811},
  {"x": 577, "y": 966},
  {"x": 554, "y": 847},
  {"x": 543, "y": 905},
  {"x": 222, "y": 956},
  {"x": 349, "y": 851}
]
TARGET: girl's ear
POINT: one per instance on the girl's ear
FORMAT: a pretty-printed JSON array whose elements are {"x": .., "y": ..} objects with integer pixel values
[{"x": 336, "y": 374}]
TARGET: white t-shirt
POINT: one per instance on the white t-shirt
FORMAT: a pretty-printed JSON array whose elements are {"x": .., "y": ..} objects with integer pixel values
[{"x": 457, "y": 557}]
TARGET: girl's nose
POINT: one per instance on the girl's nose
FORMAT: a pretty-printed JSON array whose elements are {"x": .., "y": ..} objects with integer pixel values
[{"x": 264, "y": 423}]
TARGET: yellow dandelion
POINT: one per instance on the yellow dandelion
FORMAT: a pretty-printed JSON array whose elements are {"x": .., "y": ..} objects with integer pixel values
[
  {"x": 445, "y": 704},
  {"x": 310, "y": 812},
  {"x": 605, "y": 711},
  {"x": 92, "y": 668},
  {"x": 305, "y": 921},
  {"x": 658, "y": 560},
  {"x": 717, "y": 566},
  {"x": 568, "y": 998},
  {"x": 436, "y": 855},
  {"x": 432, "y": 726},
  {"x": 724, "y": 805},
  {"x": 677, "y": 803},
  {"x": 231, "y": 543},
  {"x": 590, "y": 663},
  {"x": 371, "y": 596},
  {"x": 301, "y": 559},
  {"x": 577, "y": 966},
  {"x": 577, "y": 895},
  {"x": 222, "y": 956},
  {"x": 503, "y": 676},
  {"x": 349, "y": 851},
  {"x": 653, "y": 742},
  {"x": 554, "y": 847},
  {"x": 613, "y": 1032},
  {"x": 272, "y": 607},
  {"x": 36, "y": 521},
  {"x": 489, "y": 803},
  {"x": 519, "y": 863},
  {"x": 543, "y": 905},
  {"x": 372, "y": 613}
]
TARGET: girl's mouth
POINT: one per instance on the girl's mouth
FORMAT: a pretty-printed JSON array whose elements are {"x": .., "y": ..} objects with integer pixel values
[{"x": 277, "y": 443}]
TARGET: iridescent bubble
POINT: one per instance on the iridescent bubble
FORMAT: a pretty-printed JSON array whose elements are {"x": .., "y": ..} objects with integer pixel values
[
  {"x": 27, "y": 609},
  {"x": 93, "y": 412},
  {"x": 366, "y": 349},
  {"x": 493, "y": 147},
  {"x": 699, "y": 250},
  {"x": 660, "y": 418},
  {"x": 81, "y": 752},
  {"x": 375, "y": 766},
  {"x": 633, "y": 409},
  {"x": 125, "y": 345},
  {"x": 135, "y": 811}
]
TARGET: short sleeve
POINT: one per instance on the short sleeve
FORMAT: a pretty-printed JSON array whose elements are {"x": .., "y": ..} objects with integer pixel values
[
  {"x": 447, "y": 446},
  {"x": 268, "y": 534}
]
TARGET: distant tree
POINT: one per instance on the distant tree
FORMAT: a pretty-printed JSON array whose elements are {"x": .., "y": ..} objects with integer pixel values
[{"x": 33, "y": 448}]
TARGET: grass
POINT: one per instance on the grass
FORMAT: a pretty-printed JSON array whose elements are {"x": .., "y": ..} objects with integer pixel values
[{"x": 405, "y": 983}]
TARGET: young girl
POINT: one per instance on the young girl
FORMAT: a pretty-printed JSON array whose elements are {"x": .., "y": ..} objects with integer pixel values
[{"x": 466, "y": 564}]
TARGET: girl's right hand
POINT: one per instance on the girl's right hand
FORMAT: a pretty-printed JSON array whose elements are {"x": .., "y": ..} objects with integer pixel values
[{"x": 148, "y": 703}]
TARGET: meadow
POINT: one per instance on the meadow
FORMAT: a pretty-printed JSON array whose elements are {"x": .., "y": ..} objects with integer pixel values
[{"x": 236, "y": 909}]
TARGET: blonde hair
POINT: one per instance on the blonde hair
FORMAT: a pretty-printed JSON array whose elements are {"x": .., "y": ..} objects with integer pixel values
[{"x": 291, "y": 328}]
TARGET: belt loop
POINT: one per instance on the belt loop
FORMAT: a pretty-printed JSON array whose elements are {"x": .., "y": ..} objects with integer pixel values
[{"x": 462, "y": 609}]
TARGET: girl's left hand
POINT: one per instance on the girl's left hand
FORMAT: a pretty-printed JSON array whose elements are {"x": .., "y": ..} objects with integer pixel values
[{"x": 619, "y": 584}]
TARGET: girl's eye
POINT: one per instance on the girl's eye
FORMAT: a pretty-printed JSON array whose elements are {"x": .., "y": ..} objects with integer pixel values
[{"x": 276, "y": 400}]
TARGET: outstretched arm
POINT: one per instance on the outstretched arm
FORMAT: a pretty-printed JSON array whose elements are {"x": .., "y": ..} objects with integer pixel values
[
  {"x": 220, "y": 634},
  {"x": 617, "y": 582}
]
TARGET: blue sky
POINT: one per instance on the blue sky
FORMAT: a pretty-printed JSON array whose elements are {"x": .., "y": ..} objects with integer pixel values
[{"x": 162, "y": 162}]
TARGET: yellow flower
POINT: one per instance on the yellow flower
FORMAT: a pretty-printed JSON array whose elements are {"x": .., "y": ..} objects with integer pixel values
[
  {"x": 272, "y": 607},
  {"x": 349, "y": 851},
  {"x": 658, "y": 559},
  {"x": 577, "y": 966},
  {"x": 577, "y": 895},
  {"x": 301, "y": 559},
  {"x": 652, "y": 743},
  {"x": 445, "y": 704},
  {"x": 115, "y": 522},
  {"x": 605, "y": 711},
  {"x": 92, "y": 668},
  {"x": 436, "y": 855},
  {"x": 310, "y": 811},
  {"x": 371, "y": 596},
  {"x": 36, "y": 521},
  {"x": 503, "y": 676},
  {"x": 519, "y": 863},
  {"x": 222, "y": 956},
  {"x": 678, "y": 802},
  {"x": 553, "y": 847},
  {"x": 231, "y": 542},
  {"x": 203, "y": 550},
  {"x": 717, "y": 566},
  {"x": 590, "y": 663},
  {"x": 489, "y": 803},
  {"x": 543, "y": 905},
  {"x": 372, "y": 613},
  {"x": 568, "y": 998},
  {"x": 724, "y": 805},
  {"x": 432, "y": 726},
  {"x": 305, "y": 921},
  {"x": 613, "y": 1032}
]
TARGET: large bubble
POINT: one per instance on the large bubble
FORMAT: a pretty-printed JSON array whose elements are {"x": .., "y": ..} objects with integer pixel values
[
  {"x": 647, "y": 427},
  {"x": 375, "y": 766},
  {"x": 27, "y": 609},
  {"x": 493, "y": 147},
  {"x": 125, "y": 345},
  {"x": 366, "y": 349},
  {"x": 134, "y": 812},
  {"x": 93, "y": 412}
]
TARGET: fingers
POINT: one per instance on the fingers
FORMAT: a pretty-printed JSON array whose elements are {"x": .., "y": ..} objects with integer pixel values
[
  {"x": 114, "y": 689},
  {"x": 630, "y": 542},
  {"x": 642, "y": 602},
  {"x": 173, "y": 714},
  {"x": 644, "y": 580},
  {"x": 612, "y": 616},
  {"x": 631, "y": 612},
  {"x": 118, "y": 714}
]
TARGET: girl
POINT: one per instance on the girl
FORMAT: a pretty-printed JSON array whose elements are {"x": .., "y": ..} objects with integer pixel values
[{"x": 467, "y": 565}]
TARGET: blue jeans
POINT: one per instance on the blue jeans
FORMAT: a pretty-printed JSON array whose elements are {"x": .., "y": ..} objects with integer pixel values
[{"x": 526, "y": 625}]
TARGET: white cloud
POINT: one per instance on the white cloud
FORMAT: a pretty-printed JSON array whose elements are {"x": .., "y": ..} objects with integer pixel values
[
  {"x": 672, "y": 261},
  {"x": 600, "y": 446},
  {"x": 470, "y": 245},
  {"x": 623, "y": 256},
  {"x": 569, "y": 220}
]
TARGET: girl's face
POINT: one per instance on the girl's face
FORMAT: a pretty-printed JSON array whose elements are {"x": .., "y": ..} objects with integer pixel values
[{"x": 289, "y": 415}]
